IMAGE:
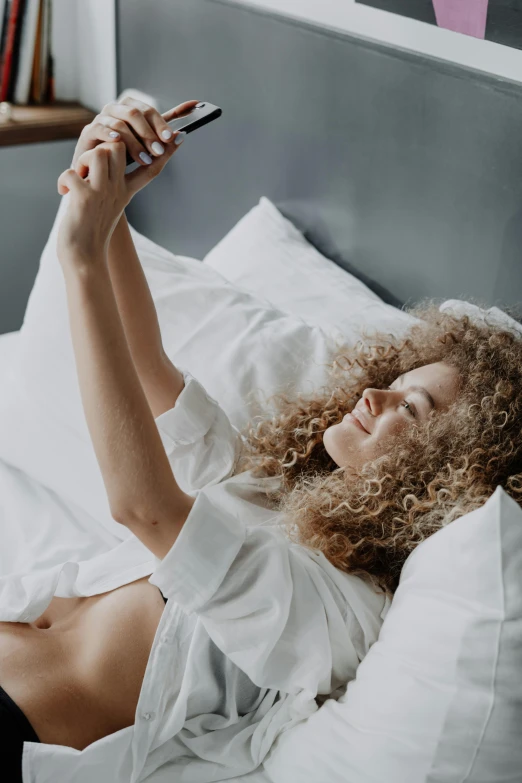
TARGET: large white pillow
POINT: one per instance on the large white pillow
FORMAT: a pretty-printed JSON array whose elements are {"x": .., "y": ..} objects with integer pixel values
[
  {"x": 229, "y": 340},
  {"x": 438, "y": 698},
  {"x": 8, "y": 348},
  {"x": 265, "y": 254}
]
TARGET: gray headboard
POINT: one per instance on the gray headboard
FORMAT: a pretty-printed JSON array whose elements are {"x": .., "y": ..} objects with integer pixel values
[{"x": 403, "y": 169}]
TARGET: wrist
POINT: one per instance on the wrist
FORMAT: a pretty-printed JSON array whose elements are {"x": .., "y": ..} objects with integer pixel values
[{"x": 83, "y": 261}]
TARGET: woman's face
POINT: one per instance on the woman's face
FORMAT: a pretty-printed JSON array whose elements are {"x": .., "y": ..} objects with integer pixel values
[{"x": 367, "y": 432}]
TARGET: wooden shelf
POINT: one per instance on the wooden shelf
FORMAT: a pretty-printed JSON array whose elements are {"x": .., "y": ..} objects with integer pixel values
[{"x": 35, "y": 124}]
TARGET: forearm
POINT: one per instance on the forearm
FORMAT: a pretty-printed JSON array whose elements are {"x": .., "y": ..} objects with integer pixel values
[
  {"x": 162, "y": 382},
  {"x": 134, "y": 300},
  {"x": 141, "y": 488}
]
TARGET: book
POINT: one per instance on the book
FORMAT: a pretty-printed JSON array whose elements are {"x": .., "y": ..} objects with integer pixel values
[
  {"x": 3, "y": 4},
  {"x": 3, "y": 37},
  {"x": 4, "y": 20},
  {"x": 10, "y": 41},
  {"x": 35, "y": 76},
  {"x": 49, "y": 80},
  {"x": 16, "y": 50},
  {"x": 44, "y": 50},
  {"x": 22, "y": 88}
]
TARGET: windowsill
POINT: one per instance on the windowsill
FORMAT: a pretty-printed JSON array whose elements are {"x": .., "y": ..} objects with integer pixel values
[{"x": 35, "y": 124}]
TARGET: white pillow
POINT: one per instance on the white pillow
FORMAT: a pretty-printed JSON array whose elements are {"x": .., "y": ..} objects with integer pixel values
[
  {"x": 438, "y": 696},
  {"x": 265, "y": 254},
  {"x": 230, "y": 341},
  {"x": 491, "y": 315},
  {"x": 38, "y": 528},
  {"x": 8, "y": 349}
]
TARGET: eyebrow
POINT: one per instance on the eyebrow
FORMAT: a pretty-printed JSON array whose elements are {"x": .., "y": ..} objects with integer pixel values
[{"x": 420, "y": 389}]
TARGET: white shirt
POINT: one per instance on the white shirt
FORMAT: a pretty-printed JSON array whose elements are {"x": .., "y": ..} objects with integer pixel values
[{"x": 254, "y": 630}]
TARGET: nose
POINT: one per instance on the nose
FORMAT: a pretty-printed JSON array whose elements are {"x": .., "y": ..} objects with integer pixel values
[{"x": 375, "y": 399}]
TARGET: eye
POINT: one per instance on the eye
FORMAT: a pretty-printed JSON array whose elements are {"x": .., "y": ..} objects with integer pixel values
[{"x": 410, "y": 408}]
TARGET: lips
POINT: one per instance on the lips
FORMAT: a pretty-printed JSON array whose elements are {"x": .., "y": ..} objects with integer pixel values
[{"x": 357, "y": 415}]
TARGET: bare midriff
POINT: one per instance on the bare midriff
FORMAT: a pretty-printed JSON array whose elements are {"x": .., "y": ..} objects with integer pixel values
[{"x": 77, "y": 671}]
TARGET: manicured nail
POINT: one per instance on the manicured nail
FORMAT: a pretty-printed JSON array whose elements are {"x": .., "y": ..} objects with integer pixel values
[
  {"x": 145, "y": 158},
  {"x": 114, "y": 134},
  {"x": 158, "y": 148},
  {"x": 179, "y": 138},
  {"x": 166, "y": 134}
]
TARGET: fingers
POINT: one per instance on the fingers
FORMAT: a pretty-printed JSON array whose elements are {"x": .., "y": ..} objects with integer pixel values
[
  {"x": 140, "y": 177},
  {"x": 135, "y": 130},
  {"x": 109, "y": 161},
  {"x": 137, "y": 124},
  {"x": 92, "y": 134},
  {"x": 99, "y": 132},
  {"x": 100, "y": 165},
  {"x": 179, "y": 111},
  {"x": 69, "y": 180},
  {"x": 118, "y": 162},
  {"x": 141, "y": 126}
]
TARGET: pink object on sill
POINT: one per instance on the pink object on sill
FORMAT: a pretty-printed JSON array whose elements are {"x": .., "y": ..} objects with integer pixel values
[{"x": 462, "y": 16}]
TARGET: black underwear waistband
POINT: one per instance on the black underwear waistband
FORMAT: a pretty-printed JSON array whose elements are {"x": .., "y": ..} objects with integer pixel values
[
  {"x": 12, "y": 716},
  {"x": 15, "y": 729}
]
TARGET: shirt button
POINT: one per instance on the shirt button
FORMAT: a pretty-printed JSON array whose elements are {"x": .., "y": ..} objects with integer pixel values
[{"x": 148, "y": 715}]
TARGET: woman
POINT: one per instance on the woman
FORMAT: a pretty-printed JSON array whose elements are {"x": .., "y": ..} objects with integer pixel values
[{"x": 267, "y": 618}]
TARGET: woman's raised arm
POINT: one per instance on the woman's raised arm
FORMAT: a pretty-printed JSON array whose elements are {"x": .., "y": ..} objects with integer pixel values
[
  {"x": 142, "y": 491},
  {"x": 141, "y": 128},
  {"x": 161, "y": 380}
]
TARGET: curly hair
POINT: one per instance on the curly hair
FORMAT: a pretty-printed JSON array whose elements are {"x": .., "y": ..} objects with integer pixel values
[{"x": 445, "y": 467}]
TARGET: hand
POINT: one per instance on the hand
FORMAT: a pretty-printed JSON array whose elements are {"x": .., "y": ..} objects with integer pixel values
[
  {"x": 138, "y": 125},
  {"x": 97, "y": 202}
]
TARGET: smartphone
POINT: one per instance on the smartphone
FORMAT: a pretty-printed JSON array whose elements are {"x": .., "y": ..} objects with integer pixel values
[{"x": 200, "y": 115}]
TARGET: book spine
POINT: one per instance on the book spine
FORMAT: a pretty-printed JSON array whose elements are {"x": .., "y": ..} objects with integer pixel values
[
  {"x": 9, "y": 47},
  {"x": 16, "y": 49},
  {"x": 5, "y": 25},
  {"x": 23, "y": 85},
  {"x": 35, "y": 79},
  {"x": 43, "y": 51},
  {"x": 51, "y": 97},
  {"x": 3, "y": 6},
  {"x": 49, "y": 64}
]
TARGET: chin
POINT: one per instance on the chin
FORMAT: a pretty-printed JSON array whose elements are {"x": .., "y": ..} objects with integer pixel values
[{"x": 331, "y": 446}]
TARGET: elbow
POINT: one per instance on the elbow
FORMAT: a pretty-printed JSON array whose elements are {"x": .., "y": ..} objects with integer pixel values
[
  {"x": 123, "y": 517},
  {"x": 175, "y": 511}
]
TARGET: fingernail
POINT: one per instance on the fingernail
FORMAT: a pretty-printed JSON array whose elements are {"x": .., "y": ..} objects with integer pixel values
[
  {"x": 114, "y": 134},
  {"x": 166, "y": 134},
  {"x": 179, "y": 138},
  {"x": 145, "y": 158},
  {"x": 158, "y": 148}
]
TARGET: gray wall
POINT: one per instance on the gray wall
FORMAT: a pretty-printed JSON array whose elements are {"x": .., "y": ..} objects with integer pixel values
[
  {"x": 397, "y": 166},
  {"x": 29, "y": 201}
]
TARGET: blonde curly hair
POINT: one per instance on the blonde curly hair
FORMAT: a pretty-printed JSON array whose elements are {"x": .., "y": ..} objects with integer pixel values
[{"x": 445, "y": 467}]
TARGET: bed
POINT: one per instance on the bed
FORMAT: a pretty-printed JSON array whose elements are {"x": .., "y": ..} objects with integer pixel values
[{"x": 386, "y": 177}]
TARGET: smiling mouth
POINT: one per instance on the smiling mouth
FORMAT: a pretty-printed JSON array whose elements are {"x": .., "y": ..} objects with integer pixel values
[{"x": 356, "y": 421}]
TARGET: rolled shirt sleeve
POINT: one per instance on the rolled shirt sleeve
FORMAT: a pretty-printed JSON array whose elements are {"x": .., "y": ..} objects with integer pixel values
[
  {"x": 201, "y": 443},
  {"x": 265, "y": 602}
]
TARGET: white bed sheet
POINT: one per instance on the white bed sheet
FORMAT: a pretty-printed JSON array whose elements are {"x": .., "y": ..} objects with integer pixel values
[{"x": 38, "y": 528}]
